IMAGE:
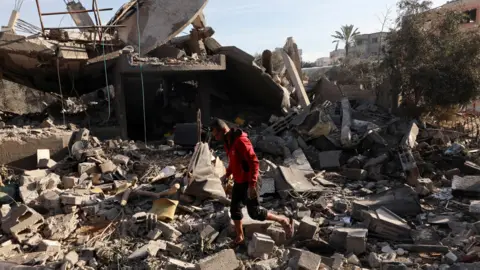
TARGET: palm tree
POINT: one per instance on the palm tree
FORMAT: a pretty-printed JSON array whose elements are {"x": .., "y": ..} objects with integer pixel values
[{"x": 347, "y": 35}]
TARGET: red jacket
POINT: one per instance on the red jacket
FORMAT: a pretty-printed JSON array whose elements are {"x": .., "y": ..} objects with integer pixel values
[{"x": 243, "y": 162}]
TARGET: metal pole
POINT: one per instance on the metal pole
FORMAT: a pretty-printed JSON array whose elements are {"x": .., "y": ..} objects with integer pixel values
[
  {"x": 40, "y": 17},
  {"x": 97, "y": 15},
  {"x": 74, "y": 12}
]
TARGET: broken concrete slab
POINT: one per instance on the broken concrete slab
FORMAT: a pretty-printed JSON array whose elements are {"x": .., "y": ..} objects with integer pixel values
[
  {"x": 225, "y": 259},
  {"x": 300, "y": 92},
  {"x": 294, "y": 179},
  {"x": 50, "y": 246},
  {"x": 402, "y": 201},
  {"x": 466, "y": 186},
  {"x": 209, "y": 234},
  {"x": 386, "y": 224}
]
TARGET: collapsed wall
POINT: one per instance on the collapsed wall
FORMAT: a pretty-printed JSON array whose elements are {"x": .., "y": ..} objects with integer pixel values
[{"x": 19, "y": 99}]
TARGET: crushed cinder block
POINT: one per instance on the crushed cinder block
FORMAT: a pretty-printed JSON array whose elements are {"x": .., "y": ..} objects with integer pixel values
[
  {"x": 306, "y": 260},
  {"x": 329, "y": 159},
  {"x": 209, "y": 234},
  {"x": 108, "y": 167},
  {"x": 308, "y": 228},
  {"x": 387, "y": 224},
  {"x": 49, "y": 246},
  {"x": 87, "y": 167},
  {"x": 60, "y": 227},
  {"x": 168, "y": 231},
  {"x": 225, "y": 259},
  {"x": 69, "y": 182},
  {"x": 150, "y": 249},
  {"x": 22, "y": 222},
  {"x": 354, "y": 174},
  {"x": 259, "y": 245},
  {"x": 277, "y": 234},
  {"x": 34, "y": 240},
  {"x": 120, "y": 160},
  {"x": 50, "y": 181},
  {"x": 350, "y": 239}
]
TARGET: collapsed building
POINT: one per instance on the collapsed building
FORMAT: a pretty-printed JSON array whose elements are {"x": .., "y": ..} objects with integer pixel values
[{"x": 149, "y": 75}]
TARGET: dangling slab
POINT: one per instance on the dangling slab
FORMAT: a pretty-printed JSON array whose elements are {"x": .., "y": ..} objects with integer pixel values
[{"x": 159, "y": 21}]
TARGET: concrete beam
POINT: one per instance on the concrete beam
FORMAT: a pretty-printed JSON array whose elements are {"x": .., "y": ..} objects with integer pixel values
[{"x": 297, "y": 81}]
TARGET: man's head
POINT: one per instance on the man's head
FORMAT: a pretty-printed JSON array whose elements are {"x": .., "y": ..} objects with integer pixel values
[{"x": 219, "y": 129}]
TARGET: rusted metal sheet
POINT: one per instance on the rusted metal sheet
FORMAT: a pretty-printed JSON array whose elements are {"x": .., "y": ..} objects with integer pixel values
[{"x": 158, "y": 21}]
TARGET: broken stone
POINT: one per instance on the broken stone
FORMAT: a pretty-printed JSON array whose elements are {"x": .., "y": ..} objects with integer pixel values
[
  {"x": 410, "y": 138},
  {"x": 225, "y": 259},
  {"x": 174, "y": 264},
  {"x": 306, "y": 260},
  {"x": 355, "y": 174},
  {"x": 72, "y": 199},
  {"x": 451, "y": 173},
  {"x": 120, "y": 160},
  {"x": 209, "y": 234},
  {"x": 34, "y": 240},
  {"x": 22, "y": 222},
  {"x": 308, "y": 228},
  {"x": 108, "y": 167},
  {"x": 50, "y": 246},
  {"x": 474, "y": 207},
  {"x": 87, "y": 167},
  {"x": 91, "y": 210},
  {"x": 168, "y": 231},
  {"x": 47, "y": 123},
  {"x": 154, "y": 234},
  {"x": 387, "y": 224},
  {"x": 47, "y": 163},
  {"x": 42, "y": 154},
  {"x": 175, "y": 248},
  {"x": 50, "y": 200},
  {"x": 71, "y": 257},
  {"x": 259, "y": 245},
  {"x": 277, "y": 234},
  {"x": 349, "y": 239},
  {"x": 150, "y": 249},
  {"x": 374, "y": 260},
  {"x": 450, "y": 258},
  {"x": 466, "y": 186},
  {"x": 60, "y": 227},
  {"x": 69, "y": 182},
  {"x": 340, "y": 205}
]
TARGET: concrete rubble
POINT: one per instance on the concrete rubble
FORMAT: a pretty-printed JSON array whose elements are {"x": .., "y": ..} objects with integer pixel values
[{"x": 365, "y": 189}]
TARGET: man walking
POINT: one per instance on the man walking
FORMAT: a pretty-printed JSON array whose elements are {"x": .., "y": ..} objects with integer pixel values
[{"x": 243, "y": 166}]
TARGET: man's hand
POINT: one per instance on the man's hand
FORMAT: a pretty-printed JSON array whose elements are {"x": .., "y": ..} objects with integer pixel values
[{"x": 252, "y": 192}]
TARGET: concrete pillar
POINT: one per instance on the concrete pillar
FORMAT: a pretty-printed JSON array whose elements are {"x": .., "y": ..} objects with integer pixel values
[{"x": 302, "y": 97}]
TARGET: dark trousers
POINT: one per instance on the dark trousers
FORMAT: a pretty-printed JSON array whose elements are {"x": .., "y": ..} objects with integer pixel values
[{"x": 240, "y": 199}]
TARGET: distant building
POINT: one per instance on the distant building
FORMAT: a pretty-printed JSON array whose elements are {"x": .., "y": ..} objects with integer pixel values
[
  {"x": 471, "y": 8},
  {"x": 323, "y": 62},
  {"x": 368, "y": 45},
  {"x": 336, "y": 56}
]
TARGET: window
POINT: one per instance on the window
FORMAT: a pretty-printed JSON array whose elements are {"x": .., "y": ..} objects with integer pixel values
[
  {"x": 359, "y": 42},
  {"x": 470, "y": 16},
  {"x": 374, "y": 40}
]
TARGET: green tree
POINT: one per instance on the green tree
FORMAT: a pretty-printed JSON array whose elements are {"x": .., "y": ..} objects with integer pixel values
[
  {"x": 347, "y": 35},
  {"x": 431, "y": 62}
]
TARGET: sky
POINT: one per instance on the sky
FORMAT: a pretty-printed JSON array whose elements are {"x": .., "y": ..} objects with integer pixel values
[{"x": 254, "y": 25}]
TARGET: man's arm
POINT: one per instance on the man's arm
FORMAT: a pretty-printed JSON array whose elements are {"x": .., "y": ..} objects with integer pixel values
[{"x": 246, "y": 151}]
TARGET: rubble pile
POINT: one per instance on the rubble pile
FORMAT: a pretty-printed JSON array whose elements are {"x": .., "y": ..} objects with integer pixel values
[{"x": 366, "y": 190}]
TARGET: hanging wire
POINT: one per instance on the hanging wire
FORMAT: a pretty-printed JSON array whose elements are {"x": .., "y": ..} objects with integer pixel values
[
  {"x": 18, "y": 5},
  {"x": 141, "y": 75},
  {"x": 60, "y": 87},
  {"x": 106, "y": 78}
]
